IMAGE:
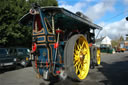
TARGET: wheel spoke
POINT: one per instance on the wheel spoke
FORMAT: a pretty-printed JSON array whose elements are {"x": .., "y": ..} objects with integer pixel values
[
  {"x": 79, "y": 66},
  {"x": 79, "y": 41},
  {"x": 84, "y": 49},
  {"x": 76, "y": 63},
  {"x": 85, "y": 62},
  {"x": 76, "y": 52},
  {"x": 83, "y": 44},
  {"x": 85, "y": 58},
  {"x": 76, "y": 46},
  {"x": 76, "y": 58},
  {"x": 76, "y": 69},
  {"x": 84, "y": 52},
  {"x": 81, "y": 69}
]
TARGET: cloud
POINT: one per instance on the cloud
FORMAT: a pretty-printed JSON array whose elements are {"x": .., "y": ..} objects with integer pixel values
[
  {"x": 94, "y": 12},
  {"x": 115, "y": 29},
  {"x": 79, "y": 6},
  {"x": 125, "y": 2},
  {"x": 98, "y": 10},
  {"x": 62, "y": 2},
  {"x": 91, "y": 0},
  {"x": 74, "y": 8}
]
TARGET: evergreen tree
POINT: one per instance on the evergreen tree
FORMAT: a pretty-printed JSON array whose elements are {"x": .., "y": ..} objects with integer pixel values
[
  {"x": 121, "y": 38},
  {"x": 11, "y": 33}
]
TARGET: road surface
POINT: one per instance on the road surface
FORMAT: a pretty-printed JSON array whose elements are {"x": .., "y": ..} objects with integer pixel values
[{"x": 112, "y": 71}]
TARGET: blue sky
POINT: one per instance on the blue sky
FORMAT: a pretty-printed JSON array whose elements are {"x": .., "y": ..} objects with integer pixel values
[{"x": 110, "y": 14}]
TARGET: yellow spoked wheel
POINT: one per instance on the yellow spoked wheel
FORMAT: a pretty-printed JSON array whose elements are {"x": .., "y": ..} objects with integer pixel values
[
  {"x": 77, "y": 57},
  {"x": 81, "y": 57},
  {"x": 98, "y": 56}
]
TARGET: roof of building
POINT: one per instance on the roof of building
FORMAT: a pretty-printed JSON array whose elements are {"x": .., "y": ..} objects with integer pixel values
[{"x": 100, "y": 39}]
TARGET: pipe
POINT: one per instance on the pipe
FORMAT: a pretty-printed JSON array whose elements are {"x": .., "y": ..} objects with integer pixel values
[{"x": 53, "y": 27}]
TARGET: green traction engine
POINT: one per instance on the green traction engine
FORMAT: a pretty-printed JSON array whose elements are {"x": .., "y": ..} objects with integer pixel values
[{"x": 62, "y": 42}]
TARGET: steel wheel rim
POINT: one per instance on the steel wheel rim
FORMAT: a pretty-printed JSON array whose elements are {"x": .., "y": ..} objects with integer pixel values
[
  {"x": 98, "y": 56},
  {"x": 81, "y": 58}
]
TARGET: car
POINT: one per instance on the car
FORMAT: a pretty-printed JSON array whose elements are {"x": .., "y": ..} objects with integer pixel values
[
  {"x": 6, "y": 60},
  {"x": 118, "y": 49},
  {"x": 22, "y": 55}
]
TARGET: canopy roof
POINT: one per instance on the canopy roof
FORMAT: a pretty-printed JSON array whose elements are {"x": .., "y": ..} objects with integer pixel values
[{"x": 63, "y": 18}]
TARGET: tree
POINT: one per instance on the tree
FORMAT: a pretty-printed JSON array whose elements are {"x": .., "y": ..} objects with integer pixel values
[
  {"x": 126, "y": 38},
  {"x": 11, "y": 33},
  {"x": 116, "y": 42},
  {"x": 121, "y": 38},
  {"x": 44, "y": 2}
]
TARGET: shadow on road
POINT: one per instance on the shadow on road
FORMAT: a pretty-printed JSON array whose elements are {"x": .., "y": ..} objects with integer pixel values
[
  {"x": 116, "y": 73},
  {"x": 7, "y": 69},
  {"x": 67, "y": 81}
]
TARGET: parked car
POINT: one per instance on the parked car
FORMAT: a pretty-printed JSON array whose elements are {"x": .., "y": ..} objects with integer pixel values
[
  {"x": 5, "y": 59},
  {"x": 118, "y": 49},
  {"x": 22, "y": 55}
]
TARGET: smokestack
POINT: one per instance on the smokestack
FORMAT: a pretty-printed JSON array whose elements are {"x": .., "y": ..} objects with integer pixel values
[{"x": 126, "y": 18}]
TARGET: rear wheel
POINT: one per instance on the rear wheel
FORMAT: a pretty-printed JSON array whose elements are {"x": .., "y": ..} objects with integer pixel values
[
  {"x": 77, "y": 57},
  {"x": 98, "y": 56}
]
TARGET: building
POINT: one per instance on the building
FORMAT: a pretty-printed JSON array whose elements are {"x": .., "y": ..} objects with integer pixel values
[
  {"x": 124, "y": 44},
  {"x": 103, "y": 42},
  {"x": 105, "y": 45}
]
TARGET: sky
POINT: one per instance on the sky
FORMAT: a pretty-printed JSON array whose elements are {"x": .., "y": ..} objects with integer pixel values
[{"x": 109, "y": 14}]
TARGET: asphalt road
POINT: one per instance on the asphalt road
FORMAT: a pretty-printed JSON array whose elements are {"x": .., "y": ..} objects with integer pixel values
[{"x": 112, "y": 71}]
